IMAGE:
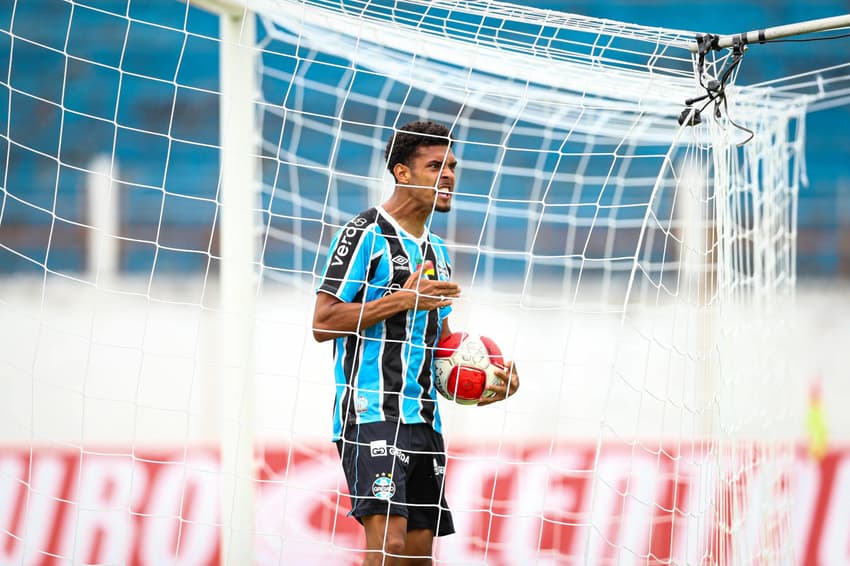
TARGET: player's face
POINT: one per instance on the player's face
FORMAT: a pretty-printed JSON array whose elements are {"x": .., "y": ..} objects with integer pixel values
[{"x": 432, "y": 170}]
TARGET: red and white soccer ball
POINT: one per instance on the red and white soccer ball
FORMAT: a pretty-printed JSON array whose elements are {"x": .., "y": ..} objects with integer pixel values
[{"x": 464, "y": 366}]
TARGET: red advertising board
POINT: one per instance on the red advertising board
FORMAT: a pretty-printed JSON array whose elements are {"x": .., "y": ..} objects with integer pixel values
[{"x": 536, "y": 503}]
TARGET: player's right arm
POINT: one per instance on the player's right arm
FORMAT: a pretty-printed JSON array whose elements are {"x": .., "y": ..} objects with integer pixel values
[{"x": 334, "y": 317}]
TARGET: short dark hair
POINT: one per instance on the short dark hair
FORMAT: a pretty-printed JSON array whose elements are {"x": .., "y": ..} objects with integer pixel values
[{"x": 409, "y": 137}]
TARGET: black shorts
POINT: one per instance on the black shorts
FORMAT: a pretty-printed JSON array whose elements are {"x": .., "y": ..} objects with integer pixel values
[{"x": 397, "y": 469}]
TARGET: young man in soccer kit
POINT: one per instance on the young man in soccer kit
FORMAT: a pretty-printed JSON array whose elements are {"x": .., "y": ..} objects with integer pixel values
[{"x": 384, "y": 299}]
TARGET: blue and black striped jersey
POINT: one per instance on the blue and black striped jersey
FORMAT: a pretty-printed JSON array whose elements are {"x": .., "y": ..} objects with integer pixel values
[{"x": 384, "y": 373}]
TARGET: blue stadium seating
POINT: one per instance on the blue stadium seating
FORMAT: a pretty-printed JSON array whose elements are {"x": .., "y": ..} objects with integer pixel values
[{"x": 101, "y": 110}]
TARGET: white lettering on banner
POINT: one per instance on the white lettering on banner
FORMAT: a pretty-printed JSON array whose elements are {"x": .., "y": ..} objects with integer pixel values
[
  {"x": 297, "y": 519},
  {"x": 35, "y": 519},
  {"x": 12, "y": 490},
  {"x": 692, "y": 520},
  {"x": 102, "y": 527},
  {"x": 533, "y": 504},
  {"x": 761, "y": 490},
  {"x": 805, "y": 485},
  {"x": 470, "y": 478},
  {"x": 620, "y": 508},
  {"x": 550, "y": 486},
  {"x": 834, "y": 549},
  {"x": 184, "y": 499}
]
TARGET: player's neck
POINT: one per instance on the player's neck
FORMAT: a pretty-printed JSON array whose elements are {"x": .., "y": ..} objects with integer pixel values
[{"x": 407, "y": 213}]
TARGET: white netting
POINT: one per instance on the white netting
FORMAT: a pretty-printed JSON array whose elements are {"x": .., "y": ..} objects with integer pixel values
[
  {"x": 588, "y": 211},
  {"x": 632, "y": 267}
]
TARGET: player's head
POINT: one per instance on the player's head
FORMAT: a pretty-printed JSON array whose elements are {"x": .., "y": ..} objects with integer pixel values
[
  {"x": 410, "y": 137},
  {"x": 419, "y": 155}
]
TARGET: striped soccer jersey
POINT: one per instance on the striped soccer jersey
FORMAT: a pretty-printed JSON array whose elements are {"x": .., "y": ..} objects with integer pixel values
[{"x": 383, "y": 373}]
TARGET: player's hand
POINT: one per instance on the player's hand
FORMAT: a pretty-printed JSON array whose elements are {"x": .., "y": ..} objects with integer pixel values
[
  {"x": 507, "y": 387},
  {"x": 430, "y": 294}
]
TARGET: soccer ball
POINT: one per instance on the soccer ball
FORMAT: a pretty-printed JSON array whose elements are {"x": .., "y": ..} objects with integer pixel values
[{"x": 464, "y": 366}]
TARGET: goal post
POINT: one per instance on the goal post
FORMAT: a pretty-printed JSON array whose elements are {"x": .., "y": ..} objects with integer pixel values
[
  {"x": 638, "y": 266},
  {"x": 239, "y": 202}
]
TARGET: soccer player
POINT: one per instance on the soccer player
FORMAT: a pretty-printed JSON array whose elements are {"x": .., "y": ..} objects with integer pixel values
[{"x": 384, "y": 299}]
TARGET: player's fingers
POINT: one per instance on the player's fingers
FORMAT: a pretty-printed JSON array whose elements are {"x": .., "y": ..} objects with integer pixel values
[
  {"x": 414, "y": 280},
  {"x": 499, "y": 393},
  {"x": 427, "y": 302},
  {"x": 512, "y": 378},
  {"x": 508, "y": 381},
  {"x": 503, "y": 371},
  {"x": 447, "y": 289},
  {"x": 497, "y": 387},
  {"x": 439, "y": 290},
  {"x": 488, "y": 400}
]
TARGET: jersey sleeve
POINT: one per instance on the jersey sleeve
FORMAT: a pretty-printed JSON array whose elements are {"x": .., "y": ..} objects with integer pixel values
[{"x": 347, "y": 264}]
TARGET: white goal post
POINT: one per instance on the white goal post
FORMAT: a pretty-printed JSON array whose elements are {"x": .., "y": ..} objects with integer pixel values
[
  {"x": 239, "y": 187},
  {"x": 639, "y": 269}
]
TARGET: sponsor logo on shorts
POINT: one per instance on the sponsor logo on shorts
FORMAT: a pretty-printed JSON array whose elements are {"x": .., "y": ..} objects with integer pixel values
[
  {"x": 378, "y": 448},
  {"x": 404, "y": 458},
  {"x": 438, "y": 469},
  {"x": 383, "y": 487}
]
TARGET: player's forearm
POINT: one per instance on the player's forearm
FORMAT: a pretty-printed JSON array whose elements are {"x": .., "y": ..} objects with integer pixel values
[{"x": 339, "y": 318}]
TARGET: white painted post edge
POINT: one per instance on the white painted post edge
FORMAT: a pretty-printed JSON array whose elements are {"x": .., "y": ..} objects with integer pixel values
[
  {"x": 102, "y": 246},
  {"x": 238, "y": 279}
]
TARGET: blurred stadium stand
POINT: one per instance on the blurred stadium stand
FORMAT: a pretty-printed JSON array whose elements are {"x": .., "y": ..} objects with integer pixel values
[{"x": 43, "y": 200}]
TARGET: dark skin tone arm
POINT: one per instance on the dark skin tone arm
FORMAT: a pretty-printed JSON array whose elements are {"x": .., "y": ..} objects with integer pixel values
[{"x": 333, "y": 317}]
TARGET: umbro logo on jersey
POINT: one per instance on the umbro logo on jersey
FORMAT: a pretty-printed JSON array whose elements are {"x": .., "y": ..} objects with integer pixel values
[{"x": 400, "y": 260}]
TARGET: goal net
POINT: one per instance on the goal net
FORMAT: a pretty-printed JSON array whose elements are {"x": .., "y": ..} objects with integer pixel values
[{"x": 164, "y": 400}]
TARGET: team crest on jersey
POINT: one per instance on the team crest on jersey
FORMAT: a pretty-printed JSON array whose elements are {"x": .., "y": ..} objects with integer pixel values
[{"x": 383, "y": 487}]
